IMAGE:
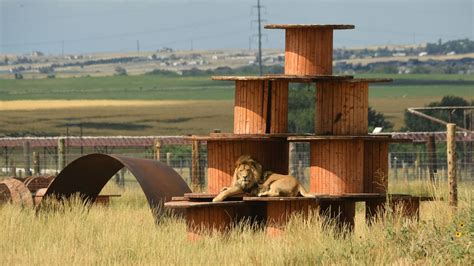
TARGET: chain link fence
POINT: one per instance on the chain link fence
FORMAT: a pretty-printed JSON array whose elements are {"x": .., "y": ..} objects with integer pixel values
[{"x": 406, "y": 165}]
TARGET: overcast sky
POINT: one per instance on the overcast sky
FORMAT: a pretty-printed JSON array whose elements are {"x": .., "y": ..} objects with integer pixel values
[{"x": 116, "y": 25}]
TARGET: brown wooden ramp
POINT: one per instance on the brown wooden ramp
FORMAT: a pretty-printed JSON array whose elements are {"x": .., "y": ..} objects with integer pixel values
[{"x": 87, "y": 176}]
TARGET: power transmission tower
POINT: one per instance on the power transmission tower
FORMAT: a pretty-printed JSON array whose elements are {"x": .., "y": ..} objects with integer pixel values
[
  {"x": 138, "y": 46},
  {"x": 259, "y": 34}
]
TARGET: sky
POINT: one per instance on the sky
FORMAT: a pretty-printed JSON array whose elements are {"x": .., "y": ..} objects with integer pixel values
[{"x": 74, "y": 26}]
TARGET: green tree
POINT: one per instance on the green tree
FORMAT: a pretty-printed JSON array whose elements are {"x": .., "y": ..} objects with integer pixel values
[
  {"x": 301, "y": 106},
  {"x": 377, "y": 119},
  {"x": 416, "y": 123},
  {"x": 120, "y": 71}
]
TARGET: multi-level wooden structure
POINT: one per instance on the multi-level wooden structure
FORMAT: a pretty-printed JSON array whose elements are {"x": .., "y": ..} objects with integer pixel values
[{"x": 346, "y": 162}]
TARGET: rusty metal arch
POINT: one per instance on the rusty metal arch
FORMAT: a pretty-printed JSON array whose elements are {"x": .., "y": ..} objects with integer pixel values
[{"x": 88, "y": 174}]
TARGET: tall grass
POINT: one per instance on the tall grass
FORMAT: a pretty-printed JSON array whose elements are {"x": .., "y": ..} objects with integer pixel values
[{"x": 126, "y": 233}]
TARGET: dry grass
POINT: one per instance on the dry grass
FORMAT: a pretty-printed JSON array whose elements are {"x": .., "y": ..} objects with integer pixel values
[
  {"x": 117, "y": 117},
  {"x": 126, "y": 233},
  {"x": 28, "y": 105}
]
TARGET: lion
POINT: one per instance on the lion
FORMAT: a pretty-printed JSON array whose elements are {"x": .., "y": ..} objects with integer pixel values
[{"x": 249, "y": 178}]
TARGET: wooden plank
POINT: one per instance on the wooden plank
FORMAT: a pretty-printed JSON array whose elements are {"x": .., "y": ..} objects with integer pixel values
[
  {"x": 301, "y": 63},
  {"x": 319, "y": 50},
  {"x": 287, "y": 51},
  {"x": 261, "y": 119},
  {"x": 366, "y": 167},
  {"x": 312, "y": 46},
  {"x": 313, "y": 138},
  {"x": 265, "y": 103},
  {"x": 210, "y": 165},
  {"x": 200, "y": 204},
  {"x": 384, "y": 166},
  {"x": 357, "y": 107},
  {"x": 365, "y": 111},
  {"x": 236, "y": 104},
  {"x": 329, "y": 52},
  {"x": 359, "y": 165},
  {"x": 288, "y": 43}
]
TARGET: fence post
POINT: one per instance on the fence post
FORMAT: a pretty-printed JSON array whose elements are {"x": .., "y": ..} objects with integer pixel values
[
  {"x": 61, "y": 154},
  {"x": 157, "y": 149},
  {"x": 13, "y": 167},
  {"x": 36, "y": 163},
  {"x": 417, "y": 170},
  {"x": 195, "y": 159},
  {"x": 292, "y": 159},
  {"x": 168, "y": 158},
  {"x": 7, "y": 169},
  {"x": 27, "y": 156},
  {"x": 395, "y": 167},
  {"x": 405, "y": 170},
  {"x": 122, "y": 177},
  {"x": 432, "y": 160},
  {"x": 451, "y": 150}
]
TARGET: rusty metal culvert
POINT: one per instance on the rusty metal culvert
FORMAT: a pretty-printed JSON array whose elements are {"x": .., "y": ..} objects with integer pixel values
[
  {"x": 14, "y": 191},
  {"x": 87, "y": 176}
]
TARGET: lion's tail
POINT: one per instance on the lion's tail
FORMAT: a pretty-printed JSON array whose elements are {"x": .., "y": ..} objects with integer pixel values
[{"x": 304, "y": 193}]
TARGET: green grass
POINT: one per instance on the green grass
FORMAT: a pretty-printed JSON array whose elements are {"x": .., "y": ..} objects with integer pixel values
[
  {"x": 125, "y": 233},
  {"x": 390, "y": 99},
  {"x": 144, "y": 87},
  {"x": 150, "y": 87}
]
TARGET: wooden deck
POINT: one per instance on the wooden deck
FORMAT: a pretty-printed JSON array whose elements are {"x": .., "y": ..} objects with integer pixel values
[{"x": 273, "y": 213}]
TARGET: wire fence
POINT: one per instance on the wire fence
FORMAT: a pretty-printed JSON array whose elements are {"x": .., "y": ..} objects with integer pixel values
[{"x": 407, "y": 165}]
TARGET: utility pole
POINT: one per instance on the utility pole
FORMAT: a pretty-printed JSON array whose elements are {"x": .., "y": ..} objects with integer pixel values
[
  {"x": 259, "y": 22},
  {"x": 138, "y": 46},
  {"x": 62, "y": 48},
  {"x": 259, "y": 39}
]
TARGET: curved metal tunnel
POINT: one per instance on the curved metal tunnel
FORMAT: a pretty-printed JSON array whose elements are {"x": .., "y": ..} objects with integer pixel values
[{"x": 87, "y": 176}]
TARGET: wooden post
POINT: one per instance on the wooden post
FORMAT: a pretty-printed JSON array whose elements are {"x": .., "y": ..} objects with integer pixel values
[
  {"x": 117, "y": 178},
  {"x": 7, "y": 167},
  {"x": 168, "y": 158},
  {"x": 195, "y": 173},
  {"x": 405, "y": 171},
  {"x": 36, "y": 163},
  {"x": 122, "y": 177},
  {"x": 61, "y": 153},
  {"x": 417, "y": 165},
  {"x": 13, "y": 167},
  {"x": 395, "y": 168},
  {"x": 451, "y": 150},
  {"x": 27, "y": 156},
  {"x": 157, "y": 149},
  {"x": 432, "y": 164}
]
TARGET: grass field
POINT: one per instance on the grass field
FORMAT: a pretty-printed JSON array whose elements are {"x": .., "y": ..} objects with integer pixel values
[
  {"x": 194, "y": 104},
  {"x": 117, "y": 117},
  {"x": 126, "y": 233}
]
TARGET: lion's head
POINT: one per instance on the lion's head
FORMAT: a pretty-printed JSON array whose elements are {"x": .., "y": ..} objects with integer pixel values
[{"x": 248, "y": 172}]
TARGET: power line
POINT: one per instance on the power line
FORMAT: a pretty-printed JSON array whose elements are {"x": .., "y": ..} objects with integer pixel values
[
  {"x": 121, "y": 35},
  {"x": 259, "y": 20}
]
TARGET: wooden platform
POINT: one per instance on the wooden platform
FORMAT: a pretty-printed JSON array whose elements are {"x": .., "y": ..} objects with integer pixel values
[
  {"x": 310, "y": 26},
  {"x": 288, "y": 78},
  {"x": 373, "y": 137},
  {"x": 273, "y": 213}
]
